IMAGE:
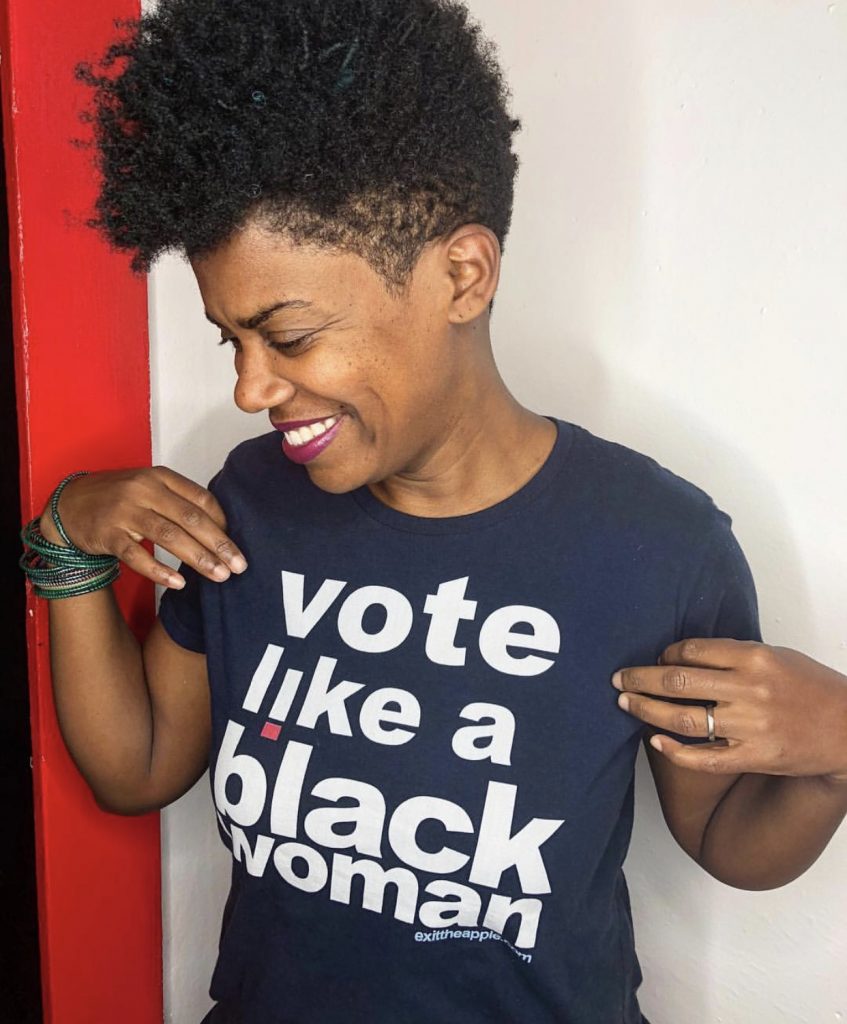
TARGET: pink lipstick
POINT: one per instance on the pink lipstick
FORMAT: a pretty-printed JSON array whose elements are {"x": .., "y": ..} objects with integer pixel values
[{"x": 304, "y": 440}]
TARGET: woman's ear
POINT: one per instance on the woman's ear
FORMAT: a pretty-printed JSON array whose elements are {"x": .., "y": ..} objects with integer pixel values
[{"x": 473, "y": 257}]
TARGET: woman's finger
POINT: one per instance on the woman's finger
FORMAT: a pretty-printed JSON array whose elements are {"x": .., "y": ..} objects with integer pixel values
[
  {"x": 680, "y": 682},
  {"x": 195, "y": 511},
  {"x": 140, "y": 560},
  {"x": 199, "y": 523},
  {"x": 708, "y": 652},
  {"x": 721, "y": 758},
  {"x": 194, "y": 521},
  {"x": 200, "y": 554},
  {"x": 682, "y": 719},
  {"x": 192, "y": 492}
]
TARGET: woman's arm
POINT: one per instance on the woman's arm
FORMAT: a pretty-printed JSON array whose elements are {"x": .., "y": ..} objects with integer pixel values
[
  {"x": 769, "y": 829},
  {"x": 750, "y": 831},
  {"x": 757, "y": 807},
  {"x": 135, "y": 718}
]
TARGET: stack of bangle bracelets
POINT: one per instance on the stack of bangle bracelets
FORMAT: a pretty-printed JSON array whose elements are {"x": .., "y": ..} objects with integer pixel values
[{"x": 57, "y": 571}]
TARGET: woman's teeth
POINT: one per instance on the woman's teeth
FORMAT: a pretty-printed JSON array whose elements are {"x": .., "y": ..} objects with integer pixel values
[{"x": 305, "y": 434}]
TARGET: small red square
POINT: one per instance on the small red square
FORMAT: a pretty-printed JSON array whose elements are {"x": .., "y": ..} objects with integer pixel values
[{"x": 270, "y": 731}]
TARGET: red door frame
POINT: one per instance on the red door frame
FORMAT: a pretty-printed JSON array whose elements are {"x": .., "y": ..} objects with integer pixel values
[{"x": 82, "y": 372}]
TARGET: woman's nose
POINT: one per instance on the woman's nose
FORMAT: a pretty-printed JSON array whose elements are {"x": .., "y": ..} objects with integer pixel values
[{"x": 260, "y": 385}]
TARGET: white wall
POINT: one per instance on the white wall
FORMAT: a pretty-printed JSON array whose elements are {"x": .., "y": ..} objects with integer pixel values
[
  {"x": 195, "y": 423},
  {"x": 675, "y": 278}
]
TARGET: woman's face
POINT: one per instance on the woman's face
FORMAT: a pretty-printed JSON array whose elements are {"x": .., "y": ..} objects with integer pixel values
[{"x": 323, "y": 348}]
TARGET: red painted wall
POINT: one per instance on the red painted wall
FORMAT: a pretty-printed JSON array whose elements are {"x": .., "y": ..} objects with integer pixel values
[{"x": 83, "y": 399}]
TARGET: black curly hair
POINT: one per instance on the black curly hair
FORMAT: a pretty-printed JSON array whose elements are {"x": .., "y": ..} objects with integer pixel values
[{"x": 366, "y": 126}]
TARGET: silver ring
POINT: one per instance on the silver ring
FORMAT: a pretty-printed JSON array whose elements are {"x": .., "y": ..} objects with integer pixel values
[{"x": 710, "y": 723}]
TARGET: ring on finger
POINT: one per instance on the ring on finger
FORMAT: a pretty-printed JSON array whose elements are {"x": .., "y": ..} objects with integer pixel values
[{"x": 710, "y": 723}]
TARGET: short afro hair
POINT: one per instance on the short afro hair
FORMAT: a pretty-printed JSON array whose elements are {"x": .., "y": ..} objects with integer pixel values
[{"x": 366, "y": 126}]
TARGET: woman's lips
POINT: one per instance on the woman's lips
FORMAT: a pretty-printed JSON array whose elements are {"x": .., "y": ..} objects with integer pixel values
[
  {"x": 288, "y": 425},
  {"x": 302, "y": 450}
]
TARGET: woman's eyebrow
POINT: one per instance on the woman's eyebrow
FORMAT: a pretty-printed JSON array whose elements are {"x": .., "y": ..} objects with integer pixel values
[{"x": 257, "y": 319}]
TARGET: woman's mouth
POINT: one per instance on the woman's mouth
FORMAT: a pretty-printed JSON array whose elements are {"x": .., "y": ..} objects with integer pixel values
[{"x": 305, "y": 442}]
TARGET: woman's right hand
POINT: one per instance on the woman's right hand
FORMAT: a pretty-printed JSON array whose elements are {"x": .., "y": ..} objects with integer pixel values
[{"x": 112, "y": 512}]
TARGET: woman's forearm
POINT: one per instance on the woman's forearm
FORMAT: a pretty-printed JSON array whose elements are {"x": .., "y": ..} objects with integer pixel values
[{"x": 768, "y": 829}]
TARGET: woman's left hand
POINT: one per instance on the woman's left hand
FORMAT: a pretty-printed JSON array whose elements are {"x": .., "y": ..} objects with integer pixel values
[{"x": 776, "y": 711}]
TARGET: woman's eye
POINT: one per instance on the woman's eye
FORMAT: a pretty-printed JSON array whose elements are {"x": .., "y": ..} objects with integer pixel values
[{"x": 291, "y": 346}]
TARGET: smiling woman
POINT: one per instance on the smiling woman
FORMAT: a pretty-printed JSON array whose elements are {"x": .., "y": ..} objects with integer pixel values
[
  {"x": 406, "y": 377},
  {"x": 428, "y": 735}
]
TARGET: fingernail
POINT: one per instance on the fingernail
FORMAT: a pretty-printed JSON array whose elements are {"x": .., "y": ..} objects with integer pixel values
[
  {"x": 623, "y": 701},
  {"x": 176, "y": 582},
  {"x": 656, "y": 743},
  {"x": 617, "y": 681},
  {"x": 221, "y": 573},
  {"x": 238, "y": 564}
]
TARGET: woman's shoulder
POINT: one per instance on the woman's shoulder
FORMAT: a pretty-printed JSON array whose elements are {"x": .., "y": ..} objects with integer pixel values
[{"x": 629, "y": 484}]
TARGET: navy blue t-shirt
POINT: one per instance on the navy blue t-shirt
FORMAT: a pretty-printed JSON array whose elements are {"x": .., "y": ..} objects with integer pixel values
[{"x": 418, "y": 761}]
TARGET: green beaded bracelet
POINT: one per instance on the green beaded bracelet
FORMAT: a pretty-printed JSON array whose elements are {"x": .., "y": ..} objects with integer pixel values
[
  {"x": 54, "y": 507},
  {"x": 54, "y": 582},
  {"x": 56, "y": 554},
  {"x": 58, "y": 571}
]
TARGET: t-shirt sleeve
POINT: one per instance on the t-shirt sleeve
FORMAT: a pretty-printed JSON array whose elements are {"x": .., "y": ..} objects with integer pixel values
[
  {"x": 722, "y": 601},
  {"x": 181, "y": 614}
]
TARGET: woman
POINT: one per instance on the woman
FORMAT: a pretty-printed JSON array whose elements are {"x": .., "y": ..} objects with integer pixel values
[{"x": 393, "y": 641}]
